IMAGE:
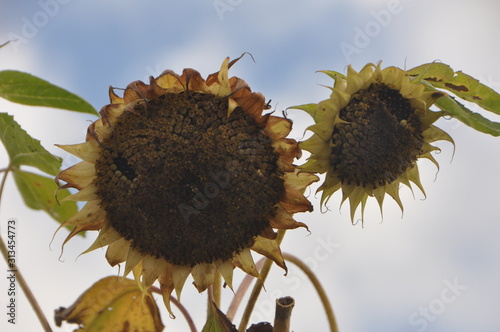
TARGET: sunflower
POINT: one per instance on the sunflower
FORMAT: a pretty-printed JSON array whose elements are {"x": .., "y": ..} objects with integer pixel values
[
  {"x": 369, "y": 134},
  {"x": 187, "y": 176}
]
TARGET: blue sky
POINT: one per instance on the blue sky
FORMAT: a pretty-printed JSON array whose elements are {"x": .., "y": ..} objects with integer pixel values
[{"x": 435, "y": 269}]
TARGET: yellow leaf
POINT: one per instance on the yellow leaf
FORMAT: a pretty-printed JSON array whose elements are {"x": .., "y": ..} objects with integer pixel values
[{"x": 113, "y": 304}]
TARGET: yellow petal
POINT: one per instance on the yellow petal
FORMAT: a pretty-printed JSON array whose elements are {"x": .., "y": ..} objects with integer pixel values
[
  {"x": 151, "y": 269},
  {"x": 134, "y": 257},
  {"x": 283, "y": 220},
  {"x": 106, "y": 236},
  {"x": 179, "y": 276},
  {"x": 245, "y": 262},
  {"x": 167, "y": 286},
  {"x": 203, "y": 275},
  {"x": 89, "y": 193},
  {"x": 278, "y": 128},
  {"x": 89, "y": 151},
  {"x": 78, "y": 176},
  {"x": 270, "y": 249},
  {"x": 220, "y": 87},
  {"x": 226, "y": 270},
  {"x": 117, "y": 251},
  {"x": 357, "y": 196},
  {"x": 90, "y": 213}
]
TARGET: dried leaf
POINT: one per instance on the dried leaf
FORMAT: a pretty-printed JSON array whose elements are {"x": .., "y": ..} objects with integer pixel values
[{"x": 113, "y": 304}]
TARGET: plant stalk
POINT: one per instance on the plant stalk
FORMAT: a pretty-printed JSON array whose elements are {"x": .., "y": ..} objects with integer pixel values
[
  {"x": 319, "y": 288},
  {"x": 19, "y": 277},
  {"x": 258, "y": 287}
]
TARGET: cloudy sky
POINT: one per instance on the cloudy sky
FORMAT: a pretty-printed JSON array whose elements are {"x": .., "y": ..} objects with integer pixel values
[{"x": 435, "y": 268}]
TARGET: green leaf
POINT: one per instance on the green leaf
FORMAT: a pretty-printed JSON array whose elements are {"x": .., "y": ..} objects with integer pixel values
[
  {"x": 464, "y": 86},
  {"x": 472, "y": 119},
  {"x": 38, "y": 192},
  {"x": 25, "y": 150},
  {"x": 27, "y": 89},
  {"x": 441, "y": 76}
]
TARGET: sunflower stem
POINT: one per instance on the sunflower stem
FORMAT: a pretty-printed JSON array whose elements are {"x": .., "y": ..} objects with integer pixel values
[
  {"x": 19, "y": 277},
  {"x": 217, "y": 289},
  {"x": 242, "y": 289},
  {"x": 258, "y": 287},
  {"x": 319, "y": 288},
  {"x": 284, "y": 307}
]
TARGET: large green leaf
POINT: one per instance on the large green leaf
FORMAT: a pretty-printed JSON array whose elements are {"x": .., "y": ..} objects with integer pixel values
[
  {"x": 464, "y": 86},
  {"x": 25, "y": 150},
  {"x": 38, "y": 192},
  {"x": 27, "y": 89},
  {"x": 472, "y": 119},
  {"x": 441, "y": 76}
]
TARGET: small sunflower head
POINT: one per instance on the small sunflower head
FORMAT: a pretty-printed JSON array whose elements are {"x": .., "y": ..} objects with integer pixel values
[
  {"x": 369, "y": 134},
  {"x": 186, "y": 176}
]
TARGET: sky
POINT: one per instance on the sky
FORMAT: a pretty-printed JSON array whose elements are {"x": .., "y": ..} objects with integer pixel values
[{"x": 433, "y": 268}]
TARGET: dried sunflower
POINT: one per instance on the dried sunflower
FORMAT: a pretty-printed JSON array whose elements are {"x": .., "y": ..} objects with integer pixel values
[
  {"x": 369, "y": 134},
  {"x": 187, "y": 176}
]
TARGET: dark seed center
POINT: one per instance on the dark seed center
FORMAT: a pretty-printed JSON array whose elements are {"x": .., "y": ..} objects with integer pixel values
[
  {"x": 184, "y": 182},
  {"x": 381, "y": 140}
]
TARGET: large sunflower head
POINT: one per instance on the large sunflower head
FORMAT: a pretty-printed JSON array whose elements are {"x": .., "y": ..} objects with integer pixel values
[
  {"x": 368, "y": 135},
  {"x": 187, "y": 176}
]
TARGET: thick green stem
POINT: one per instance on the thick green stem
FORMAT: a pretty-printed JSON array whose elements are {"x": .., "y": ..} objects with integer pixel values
[
  {"x": 242, "y": 289},
  {"x": 317, "y": 285},
  {"x": 258, "y": 287},
  {"x": 19, "y": 277}
]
